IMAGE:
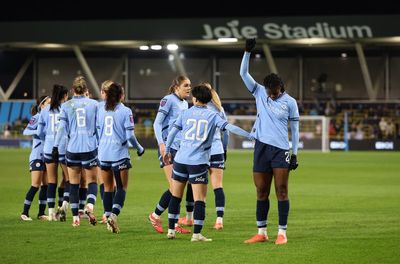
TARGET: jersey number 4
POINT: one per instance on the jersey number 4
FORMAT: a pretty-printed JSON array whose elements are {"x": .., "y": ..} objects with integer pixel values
[{"x": 198, "y": 129}]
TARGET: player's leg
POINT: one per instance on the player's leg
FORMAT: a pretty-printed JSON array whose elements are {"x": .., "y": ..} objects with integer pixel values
[
  {"x": 82, "y": 195},
  {"x": 121, "y": 173},
  {"x": 35, "y": 183},
  {"x": 280, "y": 165},
  {"x": 91, "y": 177},
  {"x": 262, "y": 177},
  {"x": 281, "y": 176},
  {"x": 52, "y": 172},
  {"x": 180, "y": 176},
  {"x": 216, "y": 174},
  {"x": 198, "y": 177},
  {"x": 43, "y": 197},
  {"x": 62, "y": 211},
  {"x": 74, "y": 173},
  {"x": 155, "y": 216}
]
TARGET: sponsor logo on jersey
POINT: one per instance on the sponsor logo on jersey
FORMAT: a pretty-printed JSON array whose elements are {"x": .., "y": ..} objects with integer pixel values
[
  {"x": 122, "y": 166},
  {"x": 131, "y": 118},
  {"x": 200, "y": 179}
]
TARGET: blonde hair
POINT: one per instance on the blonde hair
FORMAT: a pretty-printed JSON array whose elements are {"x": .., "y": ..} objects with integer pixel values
[
  {"x": 215, "y": 98},
  {"x": 106, "y": 85},
  {"x": 79, "y": 85}
]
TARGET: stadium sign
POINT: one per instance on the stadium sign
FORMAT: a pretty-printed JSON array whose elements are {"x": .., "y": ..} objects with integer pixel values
[
  {"x": 271, "y": 28},
  {"x": 232, "y": 29}
]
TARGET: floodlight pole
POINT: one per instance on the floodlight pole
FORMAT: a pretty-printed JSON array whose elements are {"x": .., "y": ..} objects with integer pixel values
[
  {"x": 270, "y": 59},
  {"x": 372, "y": 93},
  {"x": 86, "y": 69}
]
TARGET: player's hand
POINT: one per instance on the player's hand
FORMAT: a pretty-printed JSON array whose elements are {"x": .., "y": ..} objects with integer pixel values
[
  {"x": 293, "y": 162},
  {"x": 54, "y": 154},
  {"x": 225, "y": 155},
  {"x": 167, "y": 158},
  {"x": 140, "y": 151},
  {"x": 250, "y": 44}
]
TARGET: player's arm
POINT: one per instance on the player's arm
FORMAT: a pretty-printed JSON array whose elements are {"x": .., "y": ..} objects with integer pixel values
[
  {"x": 130, "y": 135},
  {"x": 157, "y": 126},
  {"x": 31, "y": 128},
  {"x": 237, "y": 131},
  {"x": 40, "y": 127},
  {"x": 250, "y": 83},
  {"x": 170, "y": 139},
  {"x": 294, "y": 128}
]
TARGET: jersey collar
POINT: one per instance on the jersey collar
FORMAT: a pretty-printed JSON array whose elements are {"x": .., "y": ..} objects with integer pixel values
[{"x": 177, "y": 96}]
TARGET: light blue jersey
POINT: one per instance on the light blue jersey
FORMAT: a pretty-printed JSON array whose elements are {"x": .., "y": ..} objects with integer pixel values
[
  {"x": 217, "y": 146},
  {"x": 271, "y": 125},
  {"x": 78, "y": 121},
  {"x": 170, "y": 107},
  {"x": 48, "y": 126},
  {"x": 37, "y": 143},
  {"x": 198, "y": 125},
  {"x": 112, "y": 129}
]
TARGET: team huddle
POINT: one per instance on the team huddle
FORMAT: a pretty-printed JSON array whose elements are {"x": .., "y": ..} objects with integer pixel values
[{"x": 90, "y": 141}]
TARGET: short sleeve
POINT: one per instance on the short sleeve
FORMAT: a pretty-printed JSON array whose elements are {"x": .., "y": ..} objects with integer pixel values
[{"x": 165, "y": 105}]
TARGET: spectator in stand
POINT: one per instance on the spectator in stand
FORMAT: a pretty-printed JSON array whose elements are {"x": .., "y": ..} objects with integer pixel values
[{"x": 383, "y": 128}]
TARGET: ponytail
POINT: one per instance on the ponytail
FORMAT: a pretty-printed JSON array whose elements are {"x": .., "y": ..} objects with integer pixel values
[
  {"x": 79, "y": 85},
  {"x": 113, "y": 96},
  {"x": 57, "y": 95}
]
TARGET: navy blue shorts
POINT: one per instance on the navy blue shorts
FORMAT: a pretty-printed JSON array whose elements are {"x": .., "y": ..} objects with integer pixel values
[
  {"x": 173, "y": 153},
  {"x": 123, "y": 164},
  {"x": 85, "y": 160},
  {"x": 49, "y": 159},
  {"x": 195, "y": 174},
  {"x": 267, "y": 157},
  {"x": 217, "y": 161},
  {"x": 37, "y": 165}
]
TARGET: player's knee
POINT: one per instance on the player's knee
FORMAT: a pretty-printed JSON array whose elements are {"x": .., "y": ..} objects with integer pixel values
[
  {"x": 262, "y": 194},
  {"x": 282, "y": 193}
]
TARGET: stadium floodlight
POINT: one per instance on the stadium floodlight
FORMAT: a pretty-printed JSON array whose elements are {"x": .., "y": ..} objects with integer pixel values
[
  {"x": 144, "y": 47},
  {"x": 172, "y": 46},
  {"x": 227, "y": 40},
  {"x": 156, "y": 47}
]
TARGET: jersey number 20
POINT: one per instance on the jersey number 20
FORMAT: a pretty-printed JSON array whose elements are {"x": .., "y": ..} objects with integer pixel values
[{"x": 196, "y": 128}]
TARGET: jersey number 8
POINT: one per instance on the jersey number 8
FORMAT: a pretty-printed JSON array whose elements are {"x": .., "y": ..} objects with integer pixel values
[{"x": 108, "y": 124}]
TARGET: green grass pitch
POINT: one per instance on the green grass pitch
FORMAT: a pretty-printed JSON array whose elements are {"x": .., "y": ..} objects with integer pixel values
[{"x": 345, "y": 208}]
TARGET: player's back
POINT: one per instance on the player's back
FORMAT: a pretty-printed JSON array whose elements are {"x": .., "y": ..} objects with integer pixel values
[
  {"x": 198, "y": 126},
  {"x": 49, "y": 120},
  {"x": 80, "y": 115},
  {"x": 112, "y": 126}
]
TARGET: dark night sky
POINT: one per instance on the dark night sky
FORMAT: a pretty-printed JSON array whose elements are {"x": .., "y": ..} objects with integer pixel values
[{"x": 34, "y": 10}]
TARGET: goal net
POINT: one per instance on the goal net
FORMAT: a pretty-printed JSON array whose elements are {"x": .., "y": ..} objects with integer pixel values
[{"x": 314, "y": 132}]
